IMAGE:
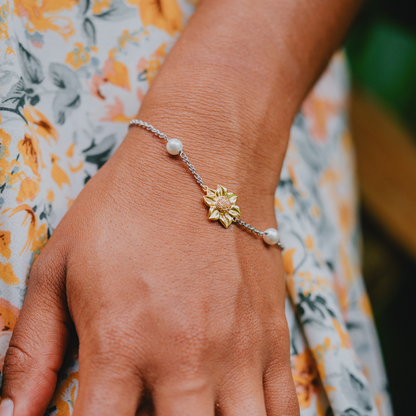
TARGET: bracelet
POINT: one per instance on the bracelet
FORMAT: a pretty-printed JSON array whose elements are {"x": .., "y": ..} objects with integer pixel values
[{"x": 221, "y": 202}]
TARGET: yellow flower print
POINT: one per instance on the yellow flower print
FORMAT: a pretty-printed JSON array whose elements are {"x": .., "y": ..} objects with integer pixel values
[
  {"x": 315, "y": 211},
  {"x": 7, "y": 274},
  {"x": 116, "y": 73},
  {"x": 4, "y": 14},
  {"x": 123, "y": 40},
  {"x": 319, "y": 353},
  {"x": 32, "y": 225},
  {"x": 365, "y": 305},
  {"x": 28, "y": 151},
  {"x": 74, "y": 169},
  {"x": 8, "y": 318},
  {"x": 305, "y": 377},
  {"x": 65, "y": 395},
  {"x": 291, "y": 202},
  {"x": 41, "y": 237},
  {"x": 57, "y": 173},
  {"x": 126, "y": 37},
  {"x": 319, "y": 110},
  {"x": 51, "y": 196},
  {"x": 346, "y": 216},
  {"x": 39, "y": 125},
  {"x": 115, "y": 112},
  {"x": 288, "y": 263},
  {"x": 151, "y": 67},
  {"x": 100, "y": 6},
  {"x": 80, "y": 55},
  {"x": 70, "y": 151},
  {"x": 70, "y": 202},
  {"x": 36, "y": 237},
  {"x": 163, "y": 14},
  {"x": 346, "y": 264},
  {"x": 343, "y": 335},
  {"x": 278, "y": 205},
  {"x": 5, "y": 167},
  {"x": 309, "y": 243},
  {"x": 341, "y": 290},
  {"x": 5, "y": 240},
  {"x": 8, "y": 315},
  {"x": 9, "y": 171},
  {"x": 222, "y": 205},
  {"x": 5, "y": 140},
  {"x": 28, "y": 190},
  {"x": 44, "y": 15}
]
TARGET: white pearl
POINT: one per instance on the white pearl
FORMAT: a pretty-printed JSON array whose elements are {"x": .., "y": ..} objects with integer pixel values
[
  {"x": 271, "y": 236},
  {"x": 174, "y": 146}
]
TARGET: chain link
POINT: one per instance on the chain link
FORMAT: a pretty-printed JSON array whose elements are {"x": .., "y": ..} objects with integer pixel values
[
  {"x": 146, "y": 126},
  {"x": 249, "y": 227},
  {"x": 182, "y": 154},
  {"x": 192, "y": 169}
]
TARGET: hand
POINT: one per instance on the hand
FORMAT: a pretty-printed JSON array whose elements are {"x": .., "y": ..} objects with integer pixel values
[{"x": 165, "y": 303}]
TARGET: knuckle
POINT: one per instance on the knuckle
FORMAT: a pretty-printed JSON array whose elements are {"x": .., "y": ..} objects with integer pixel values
[
  {"x": 275, "y": 371},
  {"x": 42, "y": 268},
  {"x": 249, "y": 339},
  {"x": 108, "y": 346},
  {"x": 192, "y": 338},
  {"x": 291, "y": 403},
  {"x": 279, "y": 386},
  {"x": 280, "y": 391},
  {"x": 277, "y": 331},
  {"x": 46, "y": 276},
  {"x": 18, "y": 361},
  {"x": 39, "y": 274},
  {"x": 186, "y": 349},
  {"x": 25, "y": 366}
]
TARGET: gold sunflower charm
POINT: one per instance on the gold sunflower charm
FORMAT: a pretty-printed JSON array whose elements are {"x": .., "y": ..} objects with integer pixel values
[{"x": 222, "y": 205}]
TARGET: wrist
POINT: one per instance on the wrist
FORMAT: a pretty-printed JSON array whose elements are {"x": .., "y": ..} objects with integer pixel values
[
  {"x": 167, "y": 183},
  {"x": 235, "y": 149},
  {"x": 230, "y": 143}
]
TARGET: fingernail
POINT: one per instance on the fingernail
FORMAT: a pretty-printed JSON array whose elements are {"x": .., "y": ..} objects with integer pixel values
[{"x": 6, "y": 408}]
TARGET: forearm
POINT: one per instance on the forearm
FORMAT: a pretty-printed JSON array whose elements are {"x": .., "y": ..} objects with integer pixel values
[
  {"x": 262, "y": 52},
  {"x": 232, "y": 85}
]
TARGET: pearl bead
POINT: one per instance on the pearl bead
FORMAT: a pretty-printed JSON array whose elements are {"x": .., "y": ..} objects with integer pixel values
[
  {"x": 271, "y": 236},
  {"x": 174, "y": 146}
]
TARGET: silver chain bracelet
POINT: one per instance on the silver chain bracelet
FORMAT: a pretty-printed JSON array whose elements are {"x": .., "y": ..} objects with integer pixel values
[{"x": 221, "y": 202}]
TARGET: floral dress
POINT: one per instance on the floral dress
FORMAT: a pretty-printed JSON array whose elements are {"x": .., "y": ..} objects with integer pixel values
[{"x": 72, "y": 74}]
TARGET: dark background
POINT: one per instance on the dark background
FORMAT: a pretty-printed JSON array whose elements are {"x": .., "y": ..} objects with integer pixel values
[{"x": 381, "y": 49}]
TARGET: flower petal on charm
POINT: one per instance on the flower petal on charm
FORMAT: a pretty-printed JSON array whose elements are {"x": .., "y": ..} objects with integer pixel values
[
  {"x": 234, "y": 213},
  {"x": 232, "y": 198},
  {"x": 229, "y": 219},
  {"x": 225, "y": 220},
  {"x": 221, "y": 190},
  {"x": 211, "y": 193},
  {"x": 214, "y": 215},
  {"x": 236, "y": 208},
  {"x": 209, "y": 201}
]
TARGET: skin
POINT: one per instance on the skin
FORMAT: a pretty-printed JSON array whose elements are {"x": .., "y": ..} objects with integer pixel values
[{"x": 174, "y": 314}]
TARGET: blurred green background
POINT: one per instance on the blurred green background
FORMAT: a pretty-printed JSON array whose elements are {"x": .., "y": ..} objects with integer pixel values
[
  {"x": 382, "y": 53},
  {"x": 381, "y": 50}
]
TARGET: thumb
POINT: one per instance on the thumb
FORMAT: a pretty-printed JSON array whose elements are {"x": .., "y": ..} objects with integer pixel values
[{"x": 38, "y": 343}]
